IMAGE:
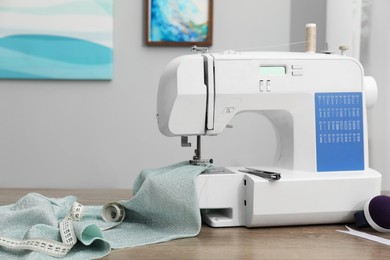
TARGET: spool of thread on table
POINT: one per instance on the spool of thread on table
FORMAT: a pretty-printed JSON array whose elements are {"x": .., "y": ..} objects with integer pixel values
[
  {"x": 311, "y": 35},
  {"x": 113, "y": 212}
]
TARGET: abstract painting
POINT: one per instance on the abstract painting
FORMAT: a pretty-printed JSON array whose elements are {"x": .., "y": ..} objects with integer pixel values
[
  {"x": 179, "y": 22},
  {"x": 56, "y": 39}
]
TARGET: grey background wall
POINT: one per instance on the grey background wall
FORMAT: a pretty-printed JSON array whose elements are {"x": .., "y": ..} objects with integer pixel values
[
  {"x": 92, "y": 134},
  {"x": 375, "y": 56}
]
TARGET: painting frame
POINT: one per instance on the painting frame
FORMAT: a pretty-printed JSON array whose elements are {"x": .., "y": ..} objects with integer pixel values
[
  {"x": 150, "y": 40},
  {"x": 56, "y": 40}
]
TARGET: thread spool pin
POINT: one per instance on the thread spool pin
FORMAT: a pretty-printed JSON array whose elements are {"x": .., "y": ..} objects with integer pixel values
[{"x": 343, "y": 49}]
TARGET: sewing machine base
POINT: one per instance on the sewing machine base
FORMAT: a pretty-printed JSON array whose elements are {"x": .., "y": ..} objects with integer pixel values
[{"x": 298, "y": 198}]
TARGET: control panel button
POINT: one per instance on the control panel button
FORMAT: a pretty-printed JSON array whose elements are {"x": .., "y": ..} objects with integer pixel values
[
  {"x": 268, "y": 85},
  {"x": 297, "y": 73},
  {"x": 296, "y": 67},
  {"x": 261, "y": 85}
]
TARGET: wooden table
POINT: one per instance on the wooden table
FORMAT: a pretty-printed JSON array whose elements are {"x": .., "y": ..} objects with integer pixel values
[{"x": 304, "y": 242}]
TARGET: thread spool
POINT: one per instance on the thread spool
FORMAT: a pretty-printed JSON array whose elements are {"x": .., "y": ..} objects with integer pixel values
[
  {"x": 311, "y": 35},
  {"x": 113, "y": 212}
]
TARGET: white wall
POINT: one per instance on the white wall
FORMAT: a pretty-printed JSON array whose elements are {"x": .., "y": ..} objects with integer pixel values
[
  {"x": 375, "y": 55},
  {"x": 72, "y": 134},
  {"x": 343, "y": 26}
]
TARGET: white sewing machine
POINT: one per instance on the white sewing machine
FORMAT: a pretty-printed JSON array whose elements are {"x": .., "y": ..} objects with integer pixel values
[{"x": 317, "y": 105}]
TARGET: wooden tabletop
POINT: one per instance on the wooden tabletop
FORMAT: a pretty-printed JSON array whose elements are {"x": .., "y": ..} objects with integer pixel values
[{"x": 301, "y": 242}]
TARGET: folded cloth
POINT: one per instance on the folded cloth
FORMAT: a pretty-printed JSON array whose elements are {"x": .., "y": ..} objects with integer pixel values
[{"x": 164, "y": 206}]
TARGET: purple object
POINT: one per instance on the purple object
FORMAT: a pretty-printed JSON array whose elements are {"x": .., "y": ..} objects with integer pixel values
[{"x": 377, "y": 213}]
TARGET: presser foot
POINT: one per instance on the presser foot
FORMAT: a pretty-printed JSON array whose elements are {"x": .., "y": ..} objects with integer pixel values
[
  {"x": 197, "y": 159},
  {"x": 201, "y": 161}
]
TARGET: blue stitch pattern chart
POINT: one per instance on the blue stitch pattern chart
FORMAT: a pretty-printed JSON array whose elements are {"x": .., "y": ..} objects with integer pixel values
[{"x": 339, "y": 131}]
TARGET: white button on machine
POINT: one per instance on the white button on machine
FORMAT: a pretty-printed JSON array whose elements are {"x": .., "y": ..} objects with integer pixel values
[
  {"x": 296, "y": 70},
  {"x": 296, "y": 67},
  {"x": 268, "y": 85},
  {"x": 261, "y": 85},
  {"x": 297, "y": 73}
]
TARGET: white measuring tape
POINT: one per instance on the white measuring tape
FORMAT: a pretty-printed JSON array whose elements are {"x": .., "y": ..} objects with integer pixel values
[{"x": 112, "y": 212}]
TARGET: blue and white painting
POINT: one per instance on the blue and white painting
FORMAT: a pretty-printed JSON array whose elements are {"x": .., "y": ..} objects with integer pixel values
[
  {"x": 179, "y": 20},
  {"x": 56, "y": 39}
]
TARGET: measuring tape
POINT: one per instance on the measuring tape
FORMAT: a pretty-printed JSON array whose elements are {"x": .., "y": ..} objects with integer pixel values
[{"x": 112, "y": 212}]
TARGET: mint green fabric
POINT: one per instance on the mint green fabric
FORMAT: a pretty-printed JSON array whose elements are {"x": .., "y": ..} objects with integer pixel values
[{"x": 164, "y": 206}]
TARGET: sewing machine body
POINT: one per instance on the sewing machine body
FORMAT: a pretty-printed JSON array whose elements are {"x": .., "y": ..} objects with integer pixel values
[
  {"x": 298, "y": 198},
  {"x": 317, "y": 105}
]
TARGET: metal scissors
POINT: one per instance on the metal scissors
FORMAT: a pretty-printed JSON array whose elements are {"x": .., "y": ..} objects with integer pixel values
[{"x": 271, "y": 176}]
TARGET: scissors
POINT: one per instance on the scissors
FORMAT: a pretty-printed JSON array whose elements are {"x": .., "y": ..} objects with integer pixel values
[{"x": 271, "y": 176}]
